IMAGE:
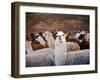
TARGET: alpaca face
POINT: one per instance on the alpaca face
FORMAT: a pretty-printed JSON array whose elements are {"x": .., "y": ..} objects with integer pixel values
[
  {"x": 39, "y": 39},
  {"x": 47, "y": 34},
  {"x": 60, "y": 37}
]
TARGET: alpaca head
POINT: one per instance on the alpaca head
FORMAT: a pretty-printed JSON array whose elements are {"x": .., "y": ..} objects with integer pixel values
[
  {"x": 60, "y": 37},
  {"x": 41, "y": 40},
  {"x": 47, "y": 34},
  {"x": 49, "y": 38}
]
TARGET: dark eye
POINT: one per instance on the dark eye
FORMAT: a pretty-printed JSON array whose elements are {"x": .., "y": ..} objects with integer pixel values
[{"x": 63, "y": 34}]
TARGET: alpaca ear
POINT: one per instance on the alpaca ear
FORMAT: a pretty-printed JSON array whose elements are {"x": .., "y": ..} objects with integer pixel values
[
  {"x": 43, "y": 34},
  {"x": 66, "y": 34}
]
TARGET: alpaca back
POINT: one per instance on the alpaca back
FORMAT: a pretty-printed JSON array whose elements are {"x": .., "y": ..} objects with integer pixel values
[
  {"x": 78, "y": 57},
  {"x": 51, "y": 42},
  {"x": 42, "y": 57},
  {"x": 72, "y": 46}
]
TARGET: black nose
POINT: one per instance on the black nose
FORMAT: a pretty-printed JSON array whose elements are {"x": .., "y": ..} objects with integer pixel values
[{"x": 59, "y": 37}]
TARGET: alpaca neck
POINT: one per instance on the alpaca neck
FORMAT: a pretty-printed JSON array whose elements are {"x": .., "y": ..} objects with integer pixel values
[
  {"x": 50, "y": 41},
  {"x": 29, "y": 47},
  {"x": 60, "y": 53},
  {"x": 42, "y": 42}
]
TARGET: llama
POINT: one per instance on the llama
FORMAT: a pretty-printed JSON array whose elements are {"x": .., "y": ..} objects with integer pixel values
[
  {"x": 60, "y": 49},
  {"x": 50, "y": 40}
]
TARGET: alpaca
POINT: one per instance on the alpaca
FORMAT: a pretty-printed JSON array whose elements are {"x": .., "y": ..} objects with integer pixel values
[
  {"x": 72, "y": 42},
  {"x": 29, "y": 49},
  {"x": 42, "y": 57},
  {"x": 50, "y": 40},
  {"x": 84, "y": 41},
  {"x": 57, "y": 56},
  {"x": 36, "y": 46},
  {"x": 62, "y": 57},
  {"x": 72, "y": 46},
  {"x": 60, "y": 49},
  {"x": 41, "y": 41},
  {"x": 87, "y": 37},
  {"x": 77, "y": 57}
]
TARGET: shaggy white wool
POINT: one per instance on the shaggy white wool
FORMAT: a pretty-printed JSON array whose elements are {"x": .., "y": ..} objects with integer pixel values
[
  {"x": 42, "y": 57},
  {"x": 50, "y": 40},
  {"x": 41, "y": 40},
  {"x": 60, "y": 49}
]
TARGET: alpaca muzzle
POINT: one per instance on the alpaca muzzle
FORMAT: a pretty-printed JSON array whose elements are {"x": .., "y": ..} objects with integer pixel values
[{"x": 60, "y": 40}]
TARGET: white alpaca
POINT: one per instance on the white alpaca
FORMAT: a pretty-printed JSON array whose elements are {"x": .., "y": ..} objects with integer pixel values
[
  {"x": 41, "y": 57},
  {"x": 62, "y": 57},
  {"x": 78, "y": 57},
  {"x": 60, "y": 49},
  {"x": 50, "y": 40},
  {"x": 41, "y": 40},
  {"x": 28, "y": 47}
]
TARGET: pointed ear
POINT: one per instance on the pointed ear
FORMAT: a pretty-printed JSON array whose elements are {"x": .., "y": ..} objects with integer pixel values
[
  {"x": 43, "y": 34},
  {"x": 66, "y": 34}
]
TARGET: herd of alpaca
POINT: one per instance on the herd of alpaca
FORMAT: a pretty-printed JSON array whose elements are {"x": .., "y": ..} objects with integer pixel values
[{"x": 61, "y": 50}]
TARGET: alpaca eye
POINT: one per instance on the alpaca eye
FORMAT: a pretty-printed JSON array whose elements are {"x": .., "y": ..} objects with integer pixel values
[{"x": 63, "y": 34}]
